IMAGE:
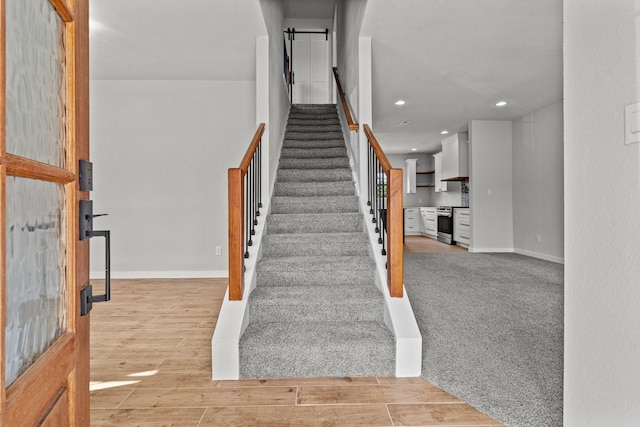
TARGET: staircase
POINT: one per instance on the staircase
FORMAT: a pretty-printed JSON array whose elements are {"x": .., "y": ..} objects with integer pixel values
[{"x": 316, "y": 310}]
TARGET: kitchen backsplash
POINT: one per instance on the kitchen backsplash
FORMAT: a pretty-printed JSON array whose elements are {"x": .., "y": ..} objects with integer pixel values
[{"x": 464, "y": 187}]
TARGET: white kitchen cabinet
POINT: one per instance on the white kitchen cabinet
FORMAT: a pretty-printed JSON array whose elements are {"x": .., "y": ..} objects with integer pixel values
[
  {"x": 429, "y": 222},
  {"x": 438, "y": 184},
  {"x": 412, "y": 222},
  {"x": 455, "y": 157},
  {"x": 410, "y": 175},
  {"x": 462, "y": 227}
]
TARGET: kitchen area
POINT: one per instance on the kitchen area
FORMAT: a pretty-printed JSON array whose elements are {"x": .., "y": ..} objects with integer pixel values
[{"x": 436, "y": 197}]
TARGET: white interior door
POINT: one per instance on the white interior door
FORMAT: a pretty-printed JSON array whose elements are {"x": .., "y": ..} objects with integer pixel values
[{"x": 311, "y": 67}]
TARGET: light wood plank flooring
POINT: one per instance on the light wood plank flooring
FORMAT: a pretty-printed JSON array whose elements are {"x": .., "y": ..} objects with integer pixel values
[
  {"x": 426, "y": 244},
  {"x": 151, "y": 366}
]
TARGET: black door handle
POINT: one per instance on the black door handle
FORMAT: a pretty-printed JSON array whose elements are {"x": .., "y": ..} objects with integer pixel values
[{"x": 86, "y": 232}]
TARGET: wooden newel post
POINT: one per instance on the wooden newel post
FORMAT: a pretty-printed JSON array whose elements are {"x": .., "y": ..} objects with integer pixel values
[
  {"x": 395, "y": 272},
  {"x": 236, "y": 234}
]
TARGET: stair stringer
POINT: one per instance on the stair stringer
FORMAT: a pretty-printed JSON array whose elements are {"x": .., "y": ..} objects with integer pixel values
[
  {"x": 398, "y": 313},
  {"x": 233, "y": 318}
]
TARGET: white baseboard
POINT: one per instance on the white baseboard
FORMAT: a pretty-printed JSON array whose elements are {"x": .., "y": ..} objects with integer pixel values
[
  {"x": 475, "y": 249},
  {"x": 540, "y": 256},
  {"x": 162, "y": 274},
  {"x": 521, "y": 252}
]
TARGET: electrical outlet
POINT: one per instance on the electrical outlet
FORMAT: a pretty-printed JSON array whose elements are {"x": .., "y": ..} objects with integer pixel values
[
  {"x": 218, "y": 250},
  {"x": 538, "y": 238}
]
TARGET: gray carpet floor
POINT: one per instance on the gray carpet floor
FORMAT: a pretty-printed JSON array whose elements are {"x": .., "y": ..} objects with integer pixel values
[{"x": 492, "y": 327}]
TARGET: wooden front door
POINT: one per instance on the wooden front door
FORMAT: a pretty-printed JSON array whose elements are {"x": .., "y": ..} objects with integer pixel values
[{"x": 44, "y": 132}]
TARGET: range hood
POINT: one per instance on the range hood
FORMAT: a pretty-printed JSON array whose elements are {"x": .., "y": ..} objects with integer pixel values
[{"x": 455, "y": 158}]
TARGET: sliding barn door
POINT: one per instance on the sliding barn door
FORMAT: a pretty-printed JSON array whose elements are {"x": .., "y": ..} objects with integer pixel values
[
  {"x": 44, "y": 133},
  {"x": 311, "y": 67}
]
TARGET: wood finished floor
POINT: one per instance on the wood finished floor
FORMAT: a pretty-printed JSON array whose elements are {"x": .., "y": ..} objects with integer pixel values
[
  {"x": 151, "y": 366},
  {"x": 427, "y": 244}
]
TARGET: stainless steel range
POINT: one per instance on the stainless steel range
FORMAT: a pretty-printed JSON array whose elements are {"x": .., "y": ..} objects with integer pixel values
[{"x": 445, "y": 224}]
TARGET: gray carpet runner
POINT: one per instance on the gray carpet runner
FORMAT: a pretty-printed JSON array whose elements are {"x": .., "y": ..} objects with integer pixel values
[{"x": 316, "y": 311}]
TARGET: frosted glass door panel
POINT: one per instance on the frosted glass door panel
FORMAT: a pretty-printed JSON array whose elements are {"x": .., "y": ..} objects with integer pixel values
[
  {"x": 35, "y": 271},
  {"x": 36, "y": 81}
]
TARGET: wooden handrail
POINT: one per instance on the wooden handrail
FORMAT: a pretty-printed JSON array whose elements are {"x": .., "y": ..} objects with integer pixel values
[
  {"x": 384, "y": 162},
  {"x": 393, "y": 222},
  {"x": 238, "y": 215},
  {"x": 352, "y": 125},
  {"x": 246, "y": 160}
]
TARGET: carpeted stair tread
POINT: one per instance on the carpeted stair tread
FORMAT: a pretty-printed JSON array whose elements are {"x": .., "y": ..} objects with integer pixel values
[
  {"x": 313, "y": 143},
  {"x": 315, "y": 245},
  {"x": 308, "y": 264},
  {"x": 311, "y": 205},
  {"x": 315, "y": 304},
  {"x": 314, "y": 223},
  {"x": 312, "y": 152},
  {"x": 324, "y": 349},
  {"x": 330, "y": 163},
  {"x": 309, "y": 128},
  {"x": 313, "y": 135},
  {"x": 314, "y": 121},
  {"x": 311, "y": 189},
  {"x": 314, "y": 175}
]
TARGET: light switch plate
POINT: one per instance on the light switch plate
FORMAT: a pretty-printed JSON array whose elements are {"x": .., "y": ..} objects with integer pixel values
[{"x": 632, "y": 123}]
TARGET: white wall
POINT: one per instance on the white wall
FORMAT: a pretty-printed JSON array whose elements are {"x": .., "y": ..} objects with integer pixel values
[
  {"x": 350, "y": 15},
  {"x": 278, "y": 97},
  {"x": 602, "y": 202},
  {"x": 490, "y": 184},
  {"x": 161, "y": 150},
  {"x": 538, "y": 183}
]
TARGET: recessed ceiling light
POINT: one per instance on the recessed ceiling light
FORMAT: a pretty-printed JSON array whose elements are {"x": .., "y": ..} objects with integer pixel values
[
  {"x": 400, "y": 102},
  {"x": 501, "y": 103},
  {"x": 404, "y": 122},
  {"x": 444, "y": 132},
  {"x": 414, "y": 149}
]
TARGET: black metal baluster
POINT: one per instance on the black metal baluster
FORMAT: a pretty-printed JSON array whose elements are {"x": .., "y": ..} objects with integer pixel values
[
  {"x": 259, "y": 176},
  {"x": 369, "y": 185},
  {"x": 247, "y": 232},
  {"x": 383, "y": 204}
]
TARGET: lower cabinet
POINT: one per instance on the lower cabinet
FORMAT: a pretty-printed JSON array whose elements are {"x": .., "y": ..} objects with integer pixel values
[
  {"x": 429, "y": 222},
  {"x": 461, "y": 227},
  {"x": 412, "y": 221}
]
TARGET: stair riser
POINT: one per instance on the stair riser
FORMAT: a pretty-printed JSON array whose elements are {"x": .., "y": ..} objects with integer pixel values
[
  {"x": 310, "y": 205},
  {"x": 309, "y": 128},
  {"x": 313, "y": 153},
  {"x": 314, "y": 175},
  {"x": 329, "y": 121},
  {"x": 273, "y": 249},
  {"x": 341, "y": 225},
  {"x": 312, "y": 135},
  {"x": 287, "y": 312},
  {"x": 301, "y": 208},
  {"x": 314, "y": 189},
  {"x": 314, "y": 163},
  {"x": 315, "y": 278},
  {"x": 313, "y": 143}
]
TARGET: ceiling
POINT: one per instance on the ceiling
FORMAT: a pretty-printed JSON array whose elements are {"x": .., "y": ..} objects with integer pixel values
[{"x": 450, "y": 60}]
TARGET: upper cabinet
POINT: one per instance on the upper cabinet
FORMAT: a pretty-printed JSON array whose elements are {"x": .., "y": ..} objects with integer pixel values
[
  {"x": 455, "y": 158},
  {"x": 439, "y": 184},
  {"x": 410, "y": 175}
]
